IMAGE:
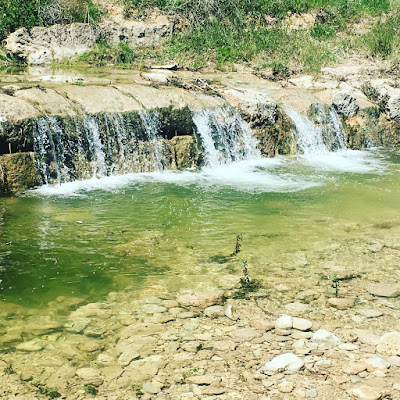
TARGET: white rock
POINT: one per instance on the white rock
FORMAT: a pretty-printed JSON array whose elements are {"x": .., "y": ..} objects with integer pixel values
[
  {"x": 324, "y": 337},
  {"x": 284, "y": 362},
  {"x": 311, "y": 393},
  {"x": 348, "y": 346},
  {"x": 284, "y": 322},
  {"x": 377, "y": 363},
  {"x": 151, "y": 388},
  {"x": 389, "y": 343},
  {"x": 229, "y": 312},
  {"x": 394, "y": 360},
  {"x": 302, "y": 324},
  {"x": 285, "y": 386}
]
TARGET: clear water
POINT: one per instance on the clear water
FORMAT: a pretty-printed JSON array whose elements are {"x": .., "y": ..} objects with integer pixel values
[{"x": 170, "y": 229}]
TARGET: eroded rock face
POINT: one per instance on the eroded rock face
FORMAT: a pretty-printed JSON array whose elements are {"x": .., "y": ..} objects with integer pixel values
[
  {"x": 388, "y": 97},
  {"x": 40, "y": 45},
  {"x": 346, "y": 104}
]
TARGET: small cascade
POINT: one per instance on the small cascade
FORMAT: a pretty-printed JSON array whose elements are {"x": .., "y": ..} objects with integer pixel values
[
  {"x": 98, "y": 145},
  {"x": 325, "y": 134},
  {"x": 152, "y": 127},
  {"x": 225, "y": 136}
]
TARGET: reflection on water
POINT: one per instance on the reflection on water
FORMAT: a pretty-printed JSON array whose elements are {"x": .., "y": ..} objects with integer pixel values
[{"x": 85, "y": 239}]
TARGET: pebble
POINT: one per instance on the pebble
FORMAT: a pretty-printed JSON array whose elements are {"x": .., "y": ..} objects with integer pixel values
[
  {"x": 285, "y": 362},
  {"x": 32, "y": 345},
  {"x": 384, "y": 290},
  {"x": 348, "y": 347},
  {"x": 367, "y": 393},
  {"x": 151, "y": 388},
  {"x": 302, "y": 324},
  {"x": 285, "y": 386},
  {"x": 245, "y": 334},
  {"x": 214, "y": 311},
  {"x": 151, "y": 308},
  {"x": 370, "y": 312},
  {"x": 262, "y": 324},
  {"x": 325, "y": 337},
  {"x": 311, "y": 393},
  {"x": 201, "y": 299},
  {"x": 341, "y": 303},
  {"x": 284, "y": 322}
]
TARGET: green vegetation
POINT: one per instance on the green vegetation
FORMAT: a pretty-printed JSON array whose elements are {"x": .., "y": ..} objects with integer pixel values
[
  {"x": 103, "y": 54},
  {"x": 91, "y": 389},
  {"x": 384, "y": 36},
  {"x": 16, "y": 13},
  {"x": 259, "y": 34}
]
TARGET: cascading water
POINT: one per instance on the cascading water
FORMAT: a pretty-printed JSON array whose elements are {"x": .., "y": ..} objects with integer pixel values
[
  {"x": 225, "y": 137},
  {"x": 98, "y": 145},
  {"x": 325, "y": 135}
]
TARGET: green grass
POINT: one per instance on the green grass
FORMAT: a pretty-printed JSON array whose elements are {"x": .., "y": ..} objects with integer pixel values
[
  {"x": 221, "y": 34},
  {"x": 236, "y": 32},
  {"x": 384, "y": 38},
  {"x": 103, "y": 54}
]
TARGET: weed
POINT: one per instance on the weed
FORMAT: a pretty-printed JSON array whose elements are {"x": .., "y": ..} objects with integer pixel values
[
  {"x": 91, "y": 389},
  {"x": 335, "y": 284},
  {"x": 246, "y": 285},
  {"x": 50, "y": 393},
  {"x": 238, "y": 245},
  {"x": 280, "y": 70}
]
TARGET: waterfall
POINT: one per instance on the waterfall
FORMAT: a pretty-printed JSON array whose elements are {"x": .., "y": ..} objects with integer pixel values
[
  {"x": 325, "y": 135},
  {"x": 98, "y": 145},
  {"x": 225, "y": 136}
]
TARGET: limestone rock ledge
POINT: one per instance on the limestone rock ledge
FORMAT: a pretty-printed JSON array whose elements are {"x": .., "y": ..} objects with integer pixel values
[{"x": 41, "y": 45}]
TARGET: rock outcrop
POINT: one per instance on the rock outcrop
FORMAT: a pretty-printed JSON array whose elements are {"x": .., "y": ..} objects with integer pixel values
[
  {"x": 40, "y": 45},
  {"x": 345, "y": 104}
]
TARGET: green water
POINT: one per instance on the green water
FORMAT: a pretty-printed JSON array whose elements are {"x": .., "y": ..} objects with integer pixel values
[{"x": 145, "y": 234}]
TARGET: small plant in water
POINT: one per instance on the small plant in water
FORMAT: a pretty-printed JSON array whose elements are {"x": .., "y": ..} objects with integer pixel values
[
  {"x": 91, "y": 389},
  {"x": 247, "y": 285},
  {"x": 335, "y": 284},
  {"x": 238, "y": 245}
]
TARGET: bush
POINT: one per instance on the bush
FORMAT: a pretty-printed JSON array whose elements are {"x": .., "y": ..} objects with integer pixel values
[
  {"x": 103, "y": 54},
  {"x": 17, "y": 13},
  {"x": 27, "y": 13}
]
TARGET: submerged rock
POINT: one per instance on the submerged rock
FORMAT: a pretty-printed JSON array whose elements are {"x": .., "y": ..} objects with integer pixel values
[
  {"x": 389, "y": 343},
  {"x": 341, "y": 303},
  {"x": 201, "y": 299},
  {"x": 384, "y": 290}
]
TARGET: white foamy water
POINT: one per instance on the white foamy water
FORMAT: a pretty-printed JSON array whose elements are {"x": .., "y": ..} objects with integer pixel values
[
  {"x": 232, "y": 159},
  {"x": 244, "y": 175}
]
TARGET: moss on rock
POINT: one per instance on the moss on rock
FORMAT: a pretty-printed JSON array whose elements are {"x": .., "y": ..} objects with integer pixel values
[{"x": 18, "y": 172}]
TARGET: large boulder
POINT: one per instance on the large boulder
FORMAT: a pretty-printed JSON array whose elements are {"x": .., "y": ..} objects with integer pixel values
[{"x": 345, "y": 104}]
